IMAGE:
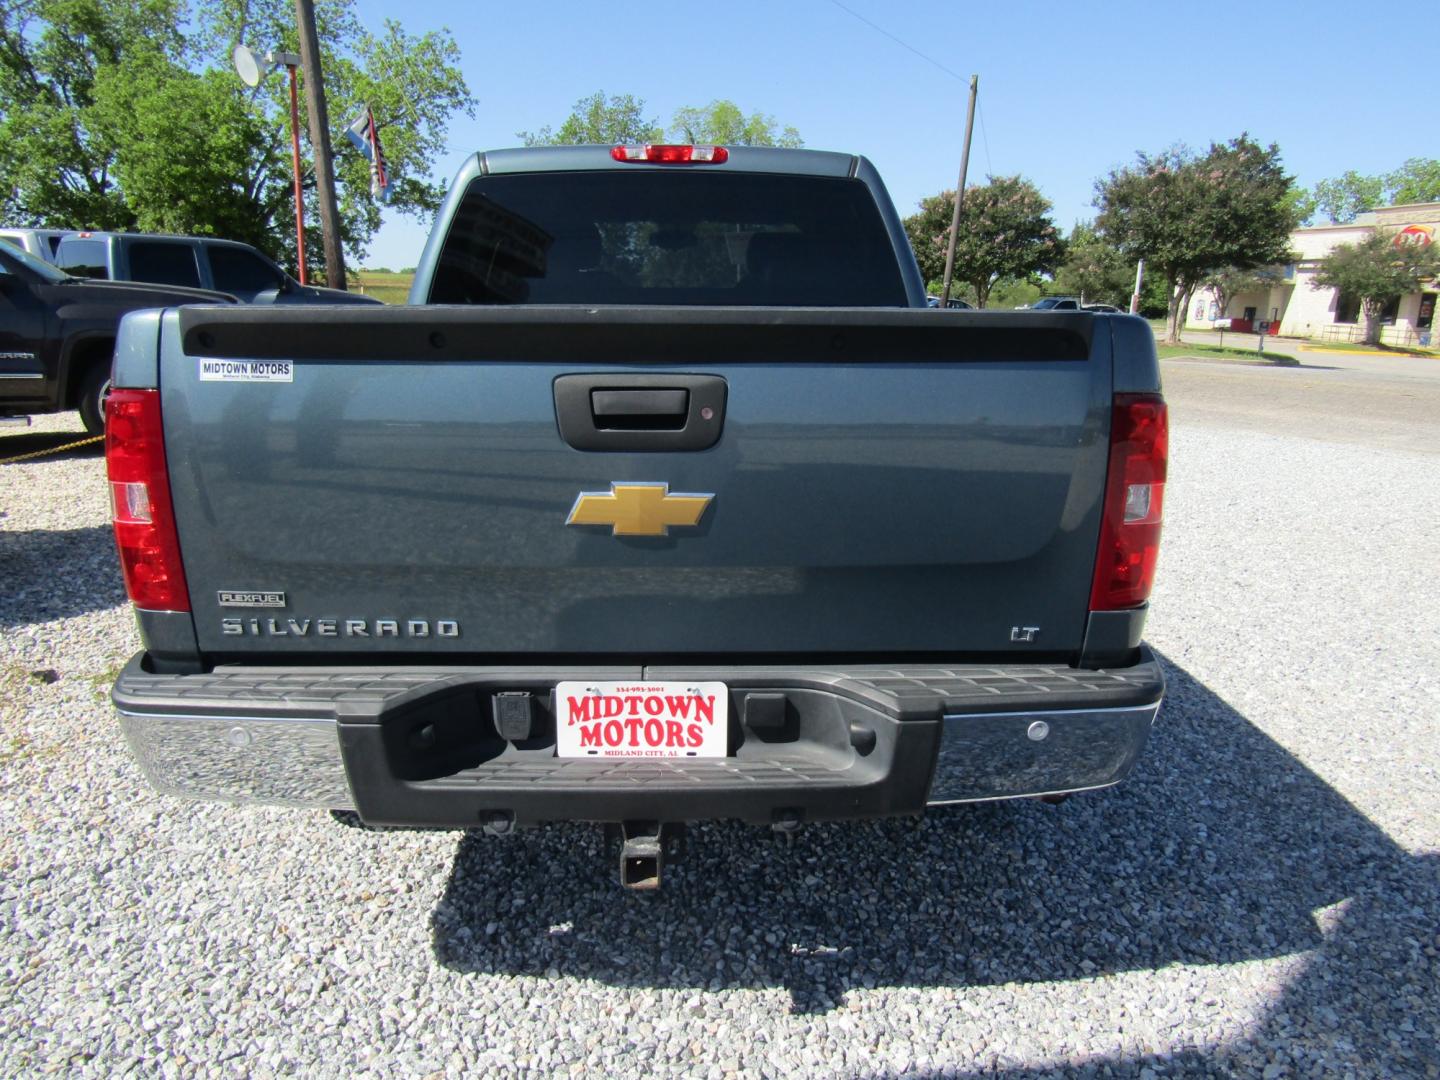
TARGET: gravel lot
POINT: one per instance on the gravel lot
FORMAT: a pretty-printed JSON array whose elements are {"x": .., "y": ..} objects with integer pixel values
[{"x": 1262, "y": 897}]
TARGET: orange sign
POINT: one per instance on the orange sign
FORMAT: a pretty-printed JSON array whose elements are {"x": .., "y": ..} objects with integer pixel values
[{"x": 1419, "y": 235}]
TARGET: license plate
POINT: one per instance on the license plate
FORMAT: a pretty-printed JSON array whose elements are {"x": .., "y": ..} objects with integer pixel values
[{"x": 641, "y": 720}]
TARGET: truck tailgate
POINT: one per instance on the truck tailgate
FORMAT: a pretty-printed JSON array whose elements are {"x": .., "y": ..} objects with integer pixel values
[{"x": 884, "y": 482}]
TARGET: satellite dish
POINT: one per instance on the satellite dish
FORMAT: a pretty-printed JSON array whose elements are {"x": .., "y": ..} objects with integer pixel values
[{"x": 248, "y": 66}]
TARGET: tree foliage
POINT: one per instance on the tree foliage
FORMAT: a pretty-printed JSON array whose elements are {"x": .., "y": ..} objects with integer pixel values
[
  {"x": 1342, "y": 198},
  {"x": 1005, "y": 293},
  {"x": 599, "y": 119},
  {"x": 118, "y": 114},
  {"x": 1095, "y": 269},
  {"x": 1005, "y": 232},
  {"x": 1230, "y": 282},
  {"x": 1188, "y": 216},
  {"x": 723, "y": 123},
  {"x": 56, "y": 170},
  {"x": 1378, "y": 269},
  {"x": 1416, "y": 181},
  {"x": 190, "y": 153},
  {"x": 621, "y": 119}
]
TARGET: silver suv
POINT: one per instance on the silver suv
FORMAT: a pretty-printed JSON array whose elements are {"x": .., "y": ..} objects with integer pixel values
[{"x": 38, "y": 242}]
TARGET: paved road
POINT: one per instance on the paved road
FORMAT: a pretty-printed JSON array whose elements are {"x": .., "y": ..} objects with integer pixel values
[
  {"x": 1390, "y": 402},
  {"x": 1262, "y": 897}
]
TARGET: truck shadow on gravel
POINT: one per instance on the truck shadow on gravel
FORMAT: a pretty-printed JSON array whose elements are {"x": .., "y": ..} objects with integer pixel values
[
  {"x": 57, "y": 573},
  {"x": 1222, "y": 848}
]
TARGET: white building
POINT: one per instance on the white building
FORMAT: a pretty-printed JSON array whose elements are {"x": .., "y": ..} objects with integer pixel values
[{"x": 1293, "y": 308}]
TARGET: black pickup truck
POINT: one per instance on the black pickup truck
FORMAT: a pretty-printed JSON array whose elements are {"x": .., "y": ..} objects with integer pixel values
[
  {"x": 674, "y": 503},
  {"x": 57, "y": 334}
]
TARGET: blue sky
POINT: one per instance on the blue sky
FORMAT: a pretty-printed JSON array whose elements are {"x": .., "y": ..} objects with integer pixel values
[{"x": 1067, "y": 91}]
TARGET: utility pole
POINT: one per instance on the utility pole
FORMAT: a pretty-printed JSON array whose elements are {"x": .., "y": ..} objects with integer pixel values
[
  {"x": 1139, "y": 280},
  {"x": 320, "y": 142},
  {"x": 959, "y": 192}
]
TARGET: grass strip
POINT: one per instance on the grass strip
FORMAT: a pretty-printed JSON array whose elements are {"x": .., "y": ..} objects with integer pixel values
[{"x": 1170, "y": 351}]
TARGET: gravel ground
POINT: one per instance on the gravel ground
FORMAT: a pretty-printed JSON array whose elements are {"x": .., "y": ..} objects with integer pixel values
[{"x": 1261, "y": 898}]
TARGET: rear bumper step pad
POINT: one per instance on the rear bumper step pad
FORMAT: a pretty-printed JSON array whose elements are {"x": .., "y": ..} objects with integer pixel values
[{"x": 409, "y": 746}]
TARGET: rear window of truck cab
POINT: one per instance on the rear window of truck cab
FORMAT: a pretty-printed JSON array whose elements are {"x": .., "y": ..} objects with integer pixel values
[
  {"x": 668, "y": 237},
  {"x": 83, "y": 258},
  {"x": 164, "y": 262}
]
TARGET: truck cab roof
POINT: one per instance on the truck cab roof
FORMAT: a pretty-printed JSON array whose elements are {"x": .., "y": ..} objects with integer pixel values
[{"x": 765, "y": 159}]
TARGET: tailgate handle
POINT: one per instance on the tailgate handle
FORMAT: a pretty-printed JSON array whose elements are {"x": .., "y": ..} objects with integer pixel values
[{"x": 638, "y": 411}]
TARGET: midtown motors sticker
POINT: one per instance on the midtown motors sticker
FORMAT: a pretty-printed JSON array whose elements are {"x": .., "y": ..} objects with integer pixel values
[
  {"x": 641, "y": 720},
  {"x": 247, "y": 371}
]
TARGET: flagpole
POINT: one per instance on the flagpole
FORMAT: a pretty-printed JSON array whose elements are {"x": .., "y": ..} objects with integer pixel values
[{"x": 364, "y": 133}]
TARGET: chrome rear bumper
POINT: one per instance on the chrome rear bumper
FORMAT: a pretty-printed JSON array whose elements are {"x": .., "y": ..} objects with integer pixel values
[
  {"x": 1045, "y": 752},
  {"x": 246, "y": 751},
  {"x": 284, "y": 761}
]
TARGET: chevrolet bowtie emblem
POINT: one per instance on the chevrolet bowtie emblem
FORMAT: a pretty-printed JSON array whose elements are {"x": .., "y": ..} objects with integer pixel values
[{"x": 638, "y": 509}]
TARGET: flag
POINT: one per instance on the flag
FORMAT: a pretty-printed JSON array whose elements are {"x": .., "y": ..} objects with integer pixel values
[{"x": 366, "y": 138}]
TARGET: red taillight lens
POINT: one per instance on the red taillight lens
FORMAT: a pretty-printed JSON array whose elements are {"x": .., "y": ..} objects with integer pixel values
[
  {"x": 1134, "y": 498},
  {"x": 140, "y": 502},
  {"x": 664, "y": 154}
]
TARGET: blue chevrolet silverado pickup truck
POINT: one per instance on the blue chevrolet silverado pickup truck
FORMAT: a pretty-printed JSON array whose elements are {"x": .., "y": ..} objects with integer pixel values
[{"x": 666, "y": 499}]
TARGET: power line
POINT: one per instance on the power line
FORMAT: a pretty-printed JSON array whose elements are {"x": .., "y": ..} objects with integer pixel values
[
  {"x": 985, "y": 139},
  {"x": 984, "y": 136},
  {"x": 902, "y": 44}
]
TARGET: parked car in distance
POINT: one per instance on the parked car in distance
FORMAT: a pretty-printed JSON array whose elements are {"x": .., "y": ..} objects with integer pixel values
[
  {"x": 198, "y": 262},
  {"x": 1104, "y": 309},
  {"x": 57, "y": 334},
  {"x": 1055, "y": 303},
  {"x": 38, "y": 242},
  {"x": 954, "y": 302}
]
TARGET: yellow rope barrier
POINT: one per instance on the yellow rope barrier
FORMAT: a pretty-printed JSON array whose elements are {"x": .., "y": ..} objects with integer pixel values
[{"x": 52, "y": 450}]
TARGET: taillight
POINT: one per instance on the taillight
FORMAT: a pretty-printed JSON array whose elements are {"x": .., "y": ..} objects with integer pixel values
[
  {"x": 663, "y": 154},
  {"x": 140, "y": 501},
  {"x": 1134, "y": 497}
]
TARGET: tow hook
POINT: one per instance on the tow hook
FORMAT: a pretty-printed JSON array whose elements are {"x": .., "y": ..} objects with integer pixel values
[{"x": 644, "y": 847}]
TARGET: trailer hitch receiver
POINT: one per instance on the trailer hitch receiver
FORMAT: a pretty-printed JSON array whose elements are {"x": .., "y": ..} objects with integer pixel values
[{"x": 644, "y": 846}]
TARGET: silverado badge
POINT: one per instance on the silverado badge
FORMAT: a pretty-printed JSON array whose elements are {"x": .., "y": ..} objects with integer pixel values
[{"x": 638, "y": 509}]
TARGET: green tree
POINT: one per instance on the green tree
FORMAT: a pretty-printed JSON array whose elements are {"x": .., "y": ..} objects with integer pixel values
[
  {"x": 189, "y": 152},
  {"x": 1342, "y": 198},
  {"x": 1416, "y": 181},
  {"x": 1303, "y": 204},
  {"x": 413, "y": 85},
  {"x": 1095, "y": 269},
  {"x": 1154, "y": 296},
  {"x": 1231, "y": 282},
  {"x": 57, "y": 170},
  {"x": 722, "y": 123},
  {"x": 599, "y": 119},
  {"x": 1011, "y": 292},
  {"x": 1378, "y": 269},
  {"x": 123, "y": 115},
  {"x": 1188, "y": 216},
  {"x": 1005, "y": 232}
]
